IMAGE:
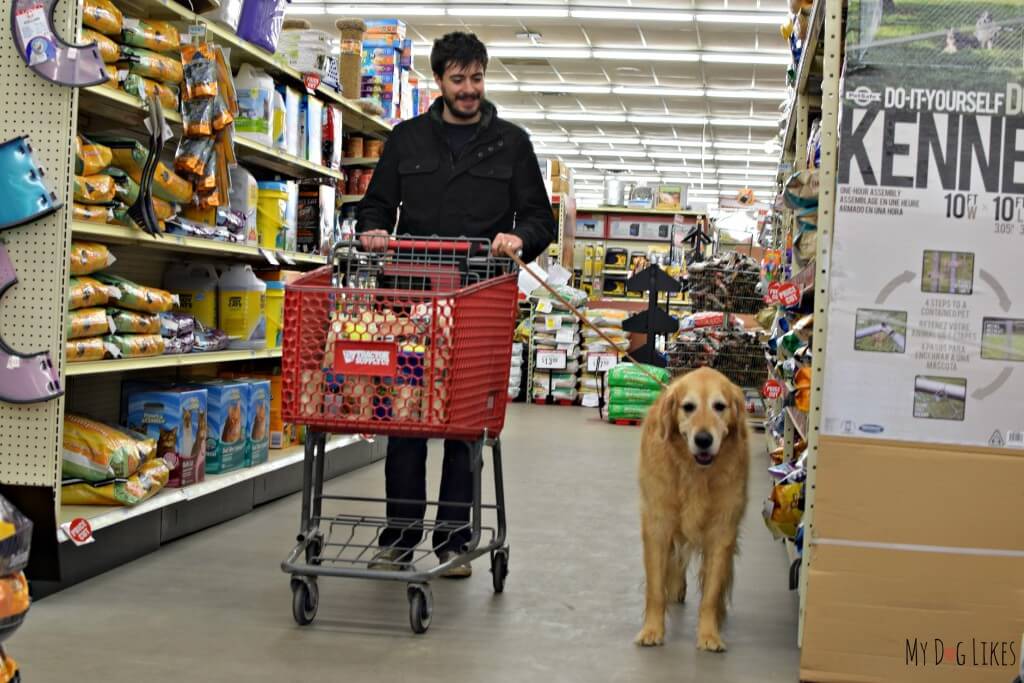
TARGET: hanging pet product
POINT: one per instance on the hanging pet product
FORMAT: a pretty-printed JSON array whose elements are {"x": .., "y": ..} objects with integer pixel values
[
  {"x": 26, "y": 197},
  {"x": 76, "y": 66},
  {"x": 23, "y": 378}
]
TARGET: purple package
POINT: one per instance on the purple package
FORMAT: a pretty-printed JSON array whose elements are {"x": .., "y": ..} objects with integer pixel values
[
  {"x": 261, "y": 22},
  {"x": 180, "y": 344}
]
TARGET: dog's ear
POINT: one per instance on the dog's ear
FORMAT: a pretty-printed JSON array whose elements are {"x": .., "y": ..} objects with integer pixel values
[
  {"x": 739, "y": 406},
  {"x": 667, "y": 413}
]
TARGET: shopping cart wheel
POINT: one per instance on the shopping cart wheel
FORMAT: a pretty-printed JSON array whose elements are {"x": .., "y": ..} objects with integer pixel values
[
  {"x": 305, "y": 600},
  {"x": 421, "y": 606},
  {"x": 499, "y": 569}
]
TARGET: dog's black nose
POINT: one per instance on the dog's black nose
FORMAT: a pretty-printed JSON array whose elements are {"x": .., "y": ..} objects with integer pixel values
[{"x": 704, "y": 440}]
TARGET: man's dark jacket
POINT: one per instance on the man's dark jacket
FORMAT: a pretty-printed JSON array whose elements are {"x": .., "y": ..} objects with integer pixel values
[{"x": 493, "y": 185}]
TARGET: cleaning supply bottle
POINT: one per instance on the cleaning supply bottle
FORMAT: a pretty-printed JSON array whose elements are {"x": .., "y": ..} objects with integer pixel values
[
  {"x": 280, "y": 121},
  {"x": 196, "y": 287},
  {"x": 243, "y": 199},
  {"x": 242, "y": 300},
  {"x": 275, "y": 314},
  {"x": 255, "y": 119},
  {"x": 272, "y": 214}
]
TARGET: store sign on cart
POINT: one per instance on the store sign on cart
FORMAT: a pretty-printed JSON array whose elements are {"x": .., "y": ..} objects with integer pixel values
[{"x": 926, "y": 324}]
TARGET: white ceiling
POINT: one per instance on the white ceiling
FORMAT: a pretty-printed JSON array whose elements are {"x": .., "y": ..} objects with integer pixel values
[{"x": 677, "y": 90}]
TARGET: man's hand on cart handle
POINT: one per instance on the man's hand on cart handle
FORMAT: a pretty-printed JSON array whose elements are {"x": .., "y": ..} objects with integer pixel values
[
  {"x": 506, "y": 244},
  {"x": 374, "y": 240}
]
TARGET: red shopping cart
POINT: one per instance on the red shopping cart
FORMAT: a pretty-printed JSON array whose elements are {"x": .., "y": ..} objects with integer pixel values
[{"x": 413, "y": 341}]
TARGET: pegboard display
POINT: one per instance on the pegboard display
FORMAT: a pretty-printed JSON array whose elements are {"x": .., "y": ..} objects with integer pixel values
[{"x": 32, "y": 312}]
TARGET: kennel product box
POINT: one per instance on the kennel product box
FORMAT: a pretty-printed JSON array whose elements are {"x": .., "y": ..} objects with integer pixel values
[
  {"x": 633, "y": 227},
  {"x": 226, "y": 419},
  {"x": 930, "y": 553},
  {"x": 177, "y": 418}
]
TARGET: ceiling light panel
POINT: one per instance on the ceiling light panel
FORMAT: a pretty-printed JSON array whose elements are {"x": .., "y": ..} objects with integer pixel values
[
  {"x": 386, "y": 10},
  {"x": 766, "y": 18},
  {"x": 646, "y": 55},
  {"x": 659, "y": 92},
  {"x": 629, "y": 154},
  {"x": 630, "y": 15},
  {"x": 727, "y": 58},
  {"x": 526, "y": 11},
  {"x": 540, "y": 52}
]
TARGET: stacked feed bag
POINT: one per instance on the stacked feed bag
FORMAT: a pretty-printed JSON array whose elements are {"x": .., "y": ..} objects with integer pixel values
[
  {"x": 556, "y": 328},
  {"x": 609, "y": 321},
  {"x": 631, "y": 391},
  {"x": 515, "y": 373}
]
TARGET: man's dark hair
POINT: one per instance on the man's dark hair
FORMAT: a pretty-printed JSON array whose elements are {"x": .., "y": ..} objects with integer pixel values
[{"x": 458, "y": 49}]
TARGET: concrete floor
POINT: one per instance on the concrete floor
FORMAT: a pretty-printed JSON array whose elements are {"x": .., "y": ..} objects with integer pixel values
[{"x": 216, "y": 607}]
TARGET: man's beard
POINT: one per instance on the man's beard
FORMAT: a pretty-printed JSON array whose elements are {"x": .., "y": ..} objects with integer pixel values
[{"x": 450, "y": 103}]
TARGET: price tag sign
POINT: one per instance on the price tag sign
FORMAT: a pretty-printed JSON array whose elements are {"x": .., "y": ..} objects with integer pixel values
[
  {"x": 269, "y": 255},
  {"x": 311, "y": 81},
  {"x": 601, "y": 362},
  {"x": 552, "y": 322},
  {"x": 789, "y": 294},
  {"x": 550, "y": 359},
  {"x": 79, "y": 531},
  {"x": 544, "y": 306},
  {"x": 285, "y": 258},
  {"x": 772, "y": 389},
  {"x": 772, "y": 297}
]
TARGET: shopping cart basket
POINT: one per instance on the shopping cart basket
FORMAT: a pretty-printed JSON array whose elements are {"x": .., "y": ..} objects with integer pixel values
[{"x": 414, "y": 341}]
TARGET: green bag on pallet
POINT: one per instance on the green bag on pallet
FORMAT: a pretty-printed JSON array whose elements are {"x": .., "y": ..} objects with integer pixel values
[
  {"x": 633, "y": 395},
  {"x": 630, "y": 375},
  {"x": 627, "y": 411}
]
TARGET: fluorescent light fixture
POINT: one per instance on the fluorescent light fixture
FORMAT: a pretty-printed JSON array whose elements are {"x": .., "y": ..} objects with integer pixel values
[
  {"x": 624, "y": 167},
  {"x": 596, "y": 118},
  {"x": 630, "y": 15},
  {"x": 521, "y": 115},
  {"x": 387, "y": 10},
  {"x": 646, "y": 55},
  {"x": 658, "y": 92},
  {"x": 589, "y": 176},
  {"x": 604, "y": 140},
  {"x": 676, "y": 169},
  {"x": 753, "y": 144},
  {"x": 558, "y": 151},
  {"x": 540, "y": 52},
  {"x": 629, "y": 154},
  {"x": 727, "y": 182},
  {"x": 754, "y": 123},
  {"x": 502, "y": 87},
  {"x": 565, "y": 87},
  {"x": 507, "y": 11},
  {"x": 742, "y": 18},
  {"x": 728, "y": 58},
  {"x": 672, "y": 155},
  {"x": 545, "y": 138},
  {"x": 579, "y": 164},
  {"x": 749, "y": 171},
  {"x": 756, "y": 158},
  {"x": 724, "y": 94},
  {"x": 669, "y": 120},
  {"x": 675, "y": 142},
  {"x": 307, "y": 11}
]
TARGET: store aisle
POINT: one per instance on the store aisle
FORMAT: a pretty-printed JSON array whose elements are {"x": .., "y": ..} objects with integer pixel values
[{"x": 216, "y": 607}]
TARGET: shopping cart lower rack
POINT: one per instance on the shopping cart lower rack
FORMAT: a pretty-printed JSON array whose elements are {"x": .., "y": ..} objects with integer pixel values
[{"x": 413, "y": 341}]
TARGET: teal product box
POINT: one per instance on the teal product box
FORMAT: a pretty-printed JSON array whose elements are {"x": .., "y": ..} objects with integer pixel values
[
  {"x": 177, "y": 418},
  {"x": 257, "y": 424},
  {"x": 226, "y": 418}
]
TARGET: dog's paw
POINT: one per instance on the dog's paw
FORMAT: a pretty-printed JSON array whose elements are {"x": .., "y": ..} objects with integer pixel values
[
  {"x": 710, "y": 642},
  {"x": 650, "y": 636}
]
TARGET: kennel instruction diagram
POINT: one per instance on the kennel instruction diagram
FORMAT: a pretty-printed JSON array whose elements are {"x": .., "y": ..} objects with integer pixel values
[{"x": 926, "y": 322}]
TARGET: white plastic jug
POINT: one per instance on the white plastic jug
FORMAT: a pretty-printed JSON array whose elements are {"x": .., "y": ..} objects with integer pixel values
[
  {"x": 280, "y": 121},
  {"x": 255, "y": 119},
  {"x": 243, "y": 198},
  {"x": 242, "y": 303},
  {"x": 196, "y": 287}
]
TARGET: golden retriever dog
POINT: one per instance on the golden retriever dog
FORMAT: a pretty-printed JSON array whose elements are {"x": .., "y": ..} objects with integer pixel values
[{"x": 693, "y": 490}]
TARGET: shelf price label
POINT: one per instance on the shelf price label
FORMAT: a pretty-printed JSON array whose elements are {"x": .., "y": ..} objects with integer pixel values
[
  {"x": 552, "y": 322},
  {"x": 79, "y": 531},
  {"x": 789, "y": 294},
  {"x": 544, "y": 306},
  {"x": 311, "y": 81},
  {"x": 550, "y": 359},
  {"x": 772, "y": 389},
  {"x": 601, "y": 362}
]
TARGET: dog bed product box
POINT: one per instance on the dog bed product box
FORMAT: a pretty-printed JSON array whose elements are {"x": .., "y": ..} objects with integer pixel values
[
  {"x": 226, "y": 420},
  {"x": 177, "y": 418}
]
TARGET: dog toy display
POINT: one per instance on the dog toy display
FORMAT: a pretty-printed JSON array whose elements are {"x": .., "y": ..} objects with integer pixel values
[
  {"x": 24, "y": 378},
  {"x": 22, "y": 183},
  {"x": 76, "y": 66},
  {"x": 728, "y": 283}
]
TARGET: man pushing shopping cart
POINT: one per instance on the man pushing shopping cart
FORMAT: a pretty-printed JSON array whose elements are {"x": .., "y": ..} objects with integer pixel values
[{"x": 410, "y": 337}]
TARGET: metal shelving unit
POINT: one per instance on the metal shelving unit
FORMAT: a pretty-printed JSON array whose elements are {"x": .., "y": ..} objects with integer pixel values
[
  {"x": 821, "y": 62},
  {"x": 120, "y": 234},
  {"x": 96, "y": 367}
]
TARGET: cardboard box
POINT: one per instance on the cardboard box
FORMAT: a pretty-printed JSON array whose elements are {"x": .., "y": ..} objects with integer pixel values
[
  {"x": 914, "y": 542},
  {"x": 226, "y": 419},
  {"x": 176, "y": 418}
]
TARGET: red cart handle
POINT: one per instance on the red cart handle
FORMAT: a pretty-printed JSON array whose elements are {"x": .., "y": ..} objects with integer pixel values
[{"x": 430, "y": 245}]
